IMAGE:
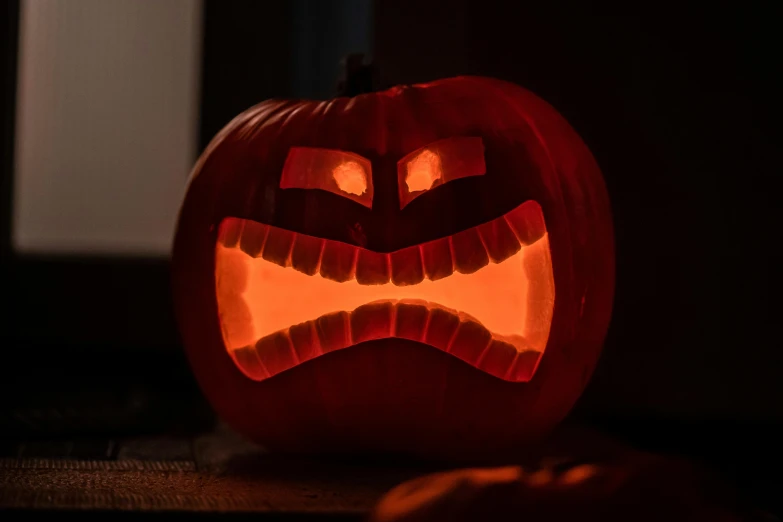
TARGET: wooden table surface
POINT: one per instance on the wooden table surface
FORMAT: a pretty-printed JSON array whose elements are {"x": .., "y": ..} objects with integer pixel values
[{"x": 214, "y": 472}]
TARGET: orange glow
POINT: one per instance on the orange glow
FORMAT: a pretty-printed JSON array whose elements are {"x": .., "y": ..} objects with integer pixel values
[
  {"x": 277, "y": 297},
  {"x": 423, "y": 171},
  {"x": 579, "y": 474},
  {"x": 350, "y": 177},
  {"x": 497, "y": 317}
]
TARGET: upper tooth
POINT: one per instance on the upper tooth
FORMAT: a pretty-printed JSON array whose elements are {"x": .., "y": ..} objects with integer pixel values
[
  {"x": 527, "y": 222},
  {"x": 372, "y": 268},
  {"x": 306, "y": 253},
  {"x": 253, "y": 237},
  {"x": 499, "y": 239},
  {"x": 230, "y": 230},
  {"x": 437, "y": 259},
  {"x": 337, "y": 262},
  {"x": 469, "y": 251},
  {"x": 277, "y": 247},
  {"x": 406, "y": 266}
]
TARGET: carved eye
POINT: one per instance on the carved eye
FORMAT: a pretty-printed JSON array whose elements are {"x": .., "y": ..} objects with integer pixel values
[
  {"x": 343, "y": 173},
  {"x": 424, "y": 170},
  {"x": 439, "y": 163},
  {"x": 350, "y": 178}
]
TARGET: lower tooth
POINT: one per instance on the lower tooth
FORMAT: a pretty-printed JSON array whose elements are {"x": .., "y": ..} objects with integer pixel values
[
  {"x": 497, "y": 358},
  {"x": 470, "y": 341},
  {"x": 247, "y": 360},
  {"x": 371, "y": 321},
  {"x": 276, "y": 353},
  {"x": 305, "y": 341},
  {"x": 333, "y": 332},
  {"x": 442, "y": 326},
  {"x": 411, "y": 321},
  {"x": 523, "y": 366}
]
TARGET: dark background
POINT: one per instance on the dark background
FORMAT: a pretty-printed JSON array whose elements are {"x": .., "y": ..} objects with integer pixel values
[{"x": 679, "y": 111}]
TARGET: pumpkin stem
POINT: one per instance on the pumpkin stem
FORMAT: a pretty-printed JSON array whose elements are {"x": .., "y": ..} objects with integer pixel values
[{"x": 356, "y": 77}]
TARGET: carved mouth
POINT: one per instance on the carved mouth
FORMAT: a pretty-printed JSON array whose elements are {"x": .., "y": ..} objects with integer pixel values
[{"x": 484, "y": 295}]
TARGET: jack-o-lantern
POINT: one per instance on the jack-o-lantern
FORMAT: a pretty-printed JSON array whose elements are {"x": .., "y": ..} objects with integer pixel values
[{"x": 427, "y": 270}]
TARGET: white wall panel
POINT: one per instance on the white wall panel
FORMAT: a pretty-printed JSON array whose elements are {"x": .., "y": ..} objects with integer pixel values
[{"x": 107, "y": 118}]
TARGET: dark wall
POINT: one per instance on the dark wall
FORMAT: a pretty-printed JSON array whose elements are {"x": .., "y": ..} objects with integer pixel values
[
  {"x": 323, "y": 33},
  {"x": 246, "y": 59},
  {"x": 9, "y": 29},
  {"x": 254, "y": 51},
  {"x": 677, "y": 113},
  {"x": 9, "y": 13}
]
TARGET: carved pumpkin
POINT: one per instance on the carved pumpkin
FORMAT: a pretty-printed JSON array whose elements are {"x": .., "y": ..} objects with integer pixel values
[{"x": 427, "y": 270}]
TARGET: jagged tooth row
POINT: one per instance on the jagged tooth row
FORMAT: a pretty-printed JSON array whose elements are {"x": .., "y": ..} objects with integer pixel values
[
  {"x": 419, "y": 321},
  {"x": 465, "y": 252}
]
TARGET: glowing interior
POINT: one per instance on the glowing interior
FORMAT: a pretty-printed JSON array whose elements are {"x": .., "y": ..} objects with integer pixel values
[
  {"x": 350, "y": 177},
  {"x": 279, "y": 297},
  {"x": 423, "y": 171},
  {"x": 497, "y": 317}
]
